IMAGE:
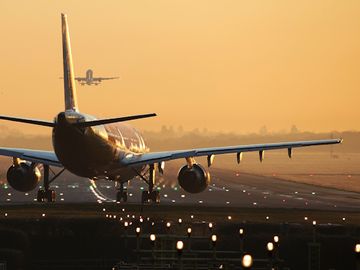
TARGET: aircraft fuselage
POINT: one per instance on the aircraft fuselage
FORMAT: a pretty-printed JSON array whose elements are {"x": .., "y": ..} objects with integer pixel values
[
  {"x": 96, "y": 151},
  {"x": 89, "y": 77}
]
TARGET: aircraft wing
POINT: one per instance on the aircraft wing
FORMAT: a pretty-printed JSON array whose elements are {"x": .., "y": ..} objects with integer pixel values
[
  {"x": 99, "y": 79},
  {"x": 80, "y": 79},
  {"x": 37, "y": 156},
  {"x": 151, "y": 158}
]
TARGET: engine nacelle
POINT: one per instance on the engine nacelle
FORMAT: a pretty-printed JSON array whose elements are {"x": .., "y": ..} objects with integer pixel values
[
  {"x": 194, "y": 179},
  {"x": 23, "y": 177}
]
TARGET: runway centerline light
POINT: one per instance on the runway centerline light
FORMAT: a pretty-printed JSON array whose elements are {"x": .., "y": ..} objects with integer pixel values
[
  {"x": 357, "y": 248},
  {"x": 189, "y": 232}
]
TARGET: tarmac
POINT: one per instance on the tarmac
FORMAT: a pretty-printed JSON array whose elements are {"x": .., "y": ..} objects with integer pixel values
[
  {"x": 227, "y": 188},
  {"x": 86, "y": 229}
]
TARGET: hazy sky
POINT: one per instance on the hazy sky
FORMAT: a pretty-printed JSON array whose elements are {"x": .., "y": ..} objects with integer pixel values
[{"x": 221, "y": 65}]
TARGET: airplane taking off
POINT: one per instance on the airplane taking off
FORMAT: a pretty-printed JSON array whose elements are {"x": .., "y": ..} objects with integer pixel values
[
  {"x": 89, "y": 79},
  {"x": 109, "y": 149}
]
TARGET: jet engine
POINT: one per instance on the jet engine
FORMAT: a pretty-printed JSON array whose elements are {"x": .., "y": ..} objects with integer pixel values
[
  {"x": 194, "y": 179},
  {"x": 23, "y": 177}
]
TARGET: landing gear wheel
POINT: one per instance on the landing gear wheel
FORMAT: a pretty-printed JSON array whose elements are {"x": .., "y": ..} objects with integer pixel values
[
  {"x": 121, "y": 196},
  {"x": 145, "y": 197},
  {"x": 153, "y": 196},
  {"x": 40, "y": 195},
  {"x": 50, "y": 195},
  {"x": 46, "y": 195},
  {"x": 125, "y": 196}
]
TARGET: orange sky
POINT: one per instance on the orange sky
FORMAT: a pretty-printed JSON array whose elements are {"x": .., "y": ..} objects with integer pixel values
[{"x": 221, "y": 65}]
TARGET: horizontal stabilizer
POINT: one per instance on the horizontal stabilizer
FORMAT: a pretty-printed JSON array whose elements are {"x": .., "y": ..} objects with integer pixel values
[
  {"x": 28, "y": 121},
  {"x": 113, "y": 120}
]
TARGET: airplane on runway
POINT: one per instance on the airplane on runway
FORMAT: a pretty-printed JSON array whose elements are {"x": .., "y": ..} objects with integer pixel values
[
  {"x": 110, "y": 149},
  {"x": 89, "y": 79}
]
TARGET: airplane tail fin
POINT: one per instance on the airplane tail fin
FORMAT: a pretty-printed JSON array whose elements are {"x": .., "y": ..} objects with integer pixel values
[{"x": 69, "y": 78}]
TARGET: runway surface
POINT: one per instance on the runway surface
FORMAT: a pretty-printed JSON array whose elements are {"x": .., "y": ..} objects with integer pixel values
[
  {"x": 228, "y": 188},
  {"x": 85, "y": 217}
]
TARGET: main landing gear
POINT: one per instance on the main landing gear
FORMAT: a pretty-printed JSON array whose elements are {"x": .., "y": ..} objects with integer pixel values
[
  {"x": 46, "y": 194},
  {"x": 151, "y": 195}
]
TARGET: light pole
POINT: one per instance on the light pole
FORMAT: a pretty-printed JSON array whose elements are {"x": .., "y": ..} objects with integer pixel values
[
  {"x": 314, "y": 231},
  {"x": 247, "y": 261},
  {"x": 314, "y": 250},
  {"x": 179, "y": 248},
  {"x": 210, "y": 227},
  {"x": 126, "y": 224},
  {"x": 152, "y": 239},
  {"x": 189, "y": 231},
  {"x": 270, "y": 249},
  {"x": 137, "y": 230},
  {"x": 168, "y": 226},
  {"x": 213, "y": 241},
  {"x": 276, "y": 252},
  {"x": 276, "y": 240},
  {"x": 179, "y": 221},
  {"x": 241, "y": 234}
]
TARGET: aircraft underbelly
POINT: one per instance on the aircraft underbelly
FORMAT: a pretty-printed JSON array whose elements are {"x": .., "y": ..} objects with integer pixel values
[
  {"x": 81, "y": 154},
  {"x": 124, "y": 174}
]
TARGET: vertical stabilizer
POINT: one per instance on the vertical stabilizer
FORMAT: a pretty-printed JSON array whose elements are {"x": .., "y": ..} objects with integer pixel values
[{"x": 69, "y": 78}]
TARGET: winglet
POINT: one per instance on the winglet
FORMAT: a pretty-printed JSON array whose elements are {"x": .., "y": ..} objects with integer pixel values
[{"x": 69, "y": 78}]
